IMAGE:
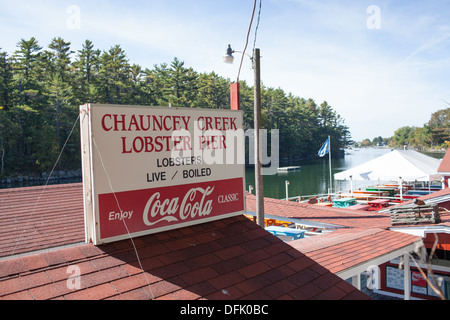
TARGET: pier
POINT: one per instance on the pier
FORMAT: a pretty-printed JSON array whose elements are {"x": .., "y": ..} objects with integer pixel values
[{"x": 291, "y": 168}]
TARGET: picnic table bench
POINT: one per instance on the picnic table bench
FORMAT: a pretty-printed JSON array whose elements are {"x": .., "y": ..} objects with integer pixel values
[
  {"x": 418, "y": 192},
  {"x": 378, "y": 204},
  {"x": 344, "y": 202},
  {"x": 407, "y": 196},
  {"x": 389, "y": 190},
  {"x": 373, "y": 193}
]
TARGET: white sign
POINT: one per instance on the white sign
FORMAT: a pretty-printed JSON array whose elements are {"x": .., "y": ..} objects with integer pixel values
[{"x": 151, "y": 169}]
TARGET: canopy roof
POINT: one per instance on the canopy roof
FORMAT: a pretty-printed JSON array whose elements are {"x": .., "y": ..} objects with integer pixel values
[{"x": 409, "y": 165}]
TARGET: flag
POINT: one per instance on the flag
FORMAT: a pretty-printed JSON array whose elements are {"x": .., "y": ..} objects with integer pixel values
[{"x": 325, "y": 148}]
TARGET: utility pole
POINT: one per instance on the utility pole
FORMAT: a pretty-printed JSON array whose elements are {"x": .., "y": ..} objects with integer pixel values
[
  {"x": 259, "y": 188},
  {"x": 235, "y": 102}
]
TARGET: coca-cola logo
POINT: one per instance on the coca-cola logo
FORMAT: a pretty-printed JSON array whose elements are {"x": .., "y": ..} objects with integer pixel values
[
  {"x": 146, "y": 211},
  {"x": 194, "y": 204}
]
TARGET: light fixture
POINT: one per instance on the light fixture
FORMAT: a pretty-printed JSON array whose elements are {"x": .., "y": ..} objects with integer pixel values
[{"x": 228, "y": 58}]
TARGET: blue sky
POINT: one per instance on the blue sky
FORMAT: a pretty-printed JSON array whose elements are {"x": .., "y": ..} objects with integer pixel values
[{"x": 380, "y": 64}]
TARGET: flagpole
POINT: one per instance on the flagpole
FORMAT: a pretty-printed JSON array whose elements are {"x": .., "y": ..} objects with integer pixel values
[
  {"x": 322, "y": 152},
  {"x": 329, "y": 162}
]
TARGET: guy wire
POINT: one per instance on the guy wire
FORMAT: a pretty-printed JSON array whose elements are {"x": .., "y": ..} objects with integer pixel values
[
  {"x": 123, "y": 220},
  {"x": 44, "y": 187},
  {"x": 246, "y": 43}
]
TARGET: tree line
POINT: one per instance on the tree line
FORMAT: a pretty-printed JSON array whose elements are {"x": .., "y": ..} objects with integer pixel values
[
  {"x": 435, "y": 134},
  {"x": 41, "y": 90}
]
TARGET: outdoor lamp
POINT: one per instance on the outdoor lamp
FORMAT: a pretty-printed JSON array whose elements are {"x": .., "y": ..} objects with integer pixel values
[{"x": 229, "y": 56}]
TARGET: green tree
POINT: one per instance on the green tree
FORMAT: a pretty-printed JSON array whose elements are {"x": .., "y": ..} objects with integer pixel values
[
  {"x": 28, "y": 76},
  {"x": 137, "y": 92},
  {"x": 366, "y": 143},
  {"x": 326, "y": 115},
  {"x": 114, "y": 76},
  {"x": 175, "y": 85},
  {"x": 422, "y": 137},
  {"x": 61, "y": 58},
  {"x": 156, "y": 83},
  {"x": 5, "y": 81},
  {"x": 212, "y": 91},
  {"x": 181, "y": 84},
  {"x": 40, "y": 92},
  {"x": 59, "y": 90},
  {"x": 439, "y": 125},
  {"x": 27, "y": 101},
  {"x": 86, "y": 69},
  {"x": 377, "y": 141},
  {"x": 402, "y": 136}
]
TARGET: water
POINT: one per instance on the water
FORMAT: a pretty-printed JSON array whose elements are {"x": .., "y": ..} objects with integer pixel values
[
  {"x": 314, "y": 176},
  {"x": 312, "y": 179}
]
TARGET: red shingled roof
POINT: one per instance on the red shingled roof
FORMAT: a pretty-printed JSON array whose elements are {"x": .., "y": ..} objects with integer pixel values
[
  {"x": 346, "y": 248},
  {"x": 34, "y": 218},
  {"x": 445, "y": 163},
  {"x": 336, "y": 216},
  {"x": 231, "y": 258},
  {"x": 436, "y": 194},
  {"x": 227, "y": 259}
]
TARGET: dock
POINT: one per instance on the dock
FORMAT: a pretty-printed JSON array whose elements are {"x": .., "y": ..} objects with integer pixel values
[{"x": 291, "y": 168}]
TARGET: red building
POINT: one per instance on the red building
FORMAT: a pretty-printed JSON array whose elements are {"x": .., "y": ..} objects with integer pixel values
[{"x": 444, "y": 169}]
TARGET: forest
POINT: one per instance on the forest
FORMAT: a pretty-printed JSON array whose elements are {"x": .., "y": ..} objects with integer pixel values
[
  {"x": 41, "y": 90},
  {"x": 433, "y": 135}
]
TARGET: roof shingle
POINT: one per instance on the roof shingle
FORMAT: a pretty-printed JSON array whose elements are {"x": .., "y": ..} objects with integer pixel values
[
  {"x": 227, "y": 259},
  {"x": 345, "y": 248},
  {"x": 231, "y": 258},
  {"x": 36, "y": 218},
  {"x": 336, "y": 216}
]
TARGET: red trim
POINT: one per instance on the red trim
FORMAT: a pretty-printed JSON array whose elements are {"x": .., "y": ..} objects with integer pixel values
[
  {"x": 235, "y": 99},
  {"x": 414, "y": 281}
]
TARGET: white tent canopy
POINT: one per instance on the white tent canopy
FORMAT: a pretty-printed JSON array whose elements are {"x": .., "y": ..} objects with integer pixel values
[{"x": 408, "y": 165}]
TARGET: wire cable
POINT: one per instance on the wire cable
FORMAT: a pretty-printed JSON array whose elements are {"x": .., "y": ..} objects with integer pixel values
[
  {"x": 123, "y": 220},
  {"x": 246, "y": 42},
  {"x": 44, "y": 188},
  {"x": 257, "y": 25}
]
